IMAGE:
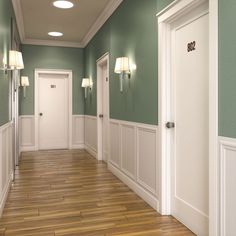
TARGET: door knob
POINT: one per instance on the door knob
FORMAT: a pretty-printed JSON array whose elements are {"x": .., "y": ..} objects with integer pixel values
[
  {"x": 101, "y": 116},
  {"x": 41, "y": 114},
  {"x": 170, "y": 125}
]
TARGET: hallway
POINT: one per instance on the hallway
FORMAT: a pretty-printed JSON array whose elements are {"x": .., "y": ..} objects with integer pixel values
[{"x": 70, "y": 193}]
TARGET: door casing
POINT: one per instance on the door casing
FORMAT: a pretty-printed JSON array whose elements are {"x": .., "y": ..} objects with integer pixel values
[
  {"x": 68, "y": 73},
  {"x": 100, "y": 63},
  {"x": 165, "y": 18}
]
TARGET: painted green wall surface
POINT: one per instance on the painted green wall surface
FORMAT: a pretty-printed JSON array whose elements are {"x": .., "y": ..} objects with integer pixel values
[
  {"x": 227, "y": 68},
  {"x": 5, "y": 34},
  {"x": 44, "y": 57},
  {"x": 131, "y": 31},
  {"x": 95, "y": 49}
]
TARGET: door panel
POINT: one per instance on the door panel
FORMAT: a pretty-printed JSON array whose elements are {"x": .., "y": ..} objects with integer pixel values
[
  {"x": 53, "y": 107},
  {"x": 190, "y": 111}
]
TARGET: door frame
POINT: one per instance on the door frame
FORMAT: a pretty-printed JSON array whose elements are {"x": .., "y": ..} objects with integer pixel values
[
  {"x": 36, "y": 102},
  {"x": 167, "y": 16},
  {"x": 100, "y": 62}
]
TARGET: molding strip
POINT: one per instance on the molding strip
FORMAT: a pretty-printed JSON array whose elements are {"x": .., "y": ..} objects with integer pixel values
[{"x": 106, "y": 13}]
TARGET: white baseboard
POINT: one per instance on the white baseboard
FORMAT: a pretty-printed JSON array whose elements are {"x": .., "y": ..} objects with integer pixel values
[
  {"x": 5, "y": 195},
  {"x": 91, "y": 151},
  {"x": 78, "y": 146},
  {"x": 145, "y": 195}
]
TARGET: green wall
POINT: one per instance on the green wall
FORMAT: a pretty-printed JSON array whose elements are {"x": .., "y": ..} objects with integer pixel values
[
  {"x": 5, "y": 35},
  {"x": 44, "y": 57},
  {"x": 227, "y": 68},
  {"x": 131, "y": 31}
]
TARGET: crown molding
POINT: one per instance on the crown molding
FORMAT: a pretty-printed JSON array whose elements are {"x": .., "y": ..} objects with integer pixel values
[
  {"x": 54, "y": 43},
  {"x": 19, "y": 18},
  {"x": 106, "y": 13}
]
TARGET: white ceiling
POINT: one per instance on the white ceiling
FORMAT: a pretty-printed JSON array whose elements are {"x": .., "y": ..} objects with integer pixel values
[{"x": 35, "y": 18}]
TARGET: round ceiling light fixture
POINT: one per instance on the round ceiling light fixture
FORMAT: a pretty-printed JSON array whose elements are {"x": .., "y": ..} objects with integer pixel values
[
  {"x": 64, "y": 4},
  {"x": 55, "y": 34}
]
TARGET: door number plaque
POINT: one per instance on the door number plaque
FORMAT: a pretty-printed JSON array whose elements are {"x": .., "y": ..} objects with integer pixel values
[
  {"x": 191, "y": 46},
  {"x": 53, "y": 86}
]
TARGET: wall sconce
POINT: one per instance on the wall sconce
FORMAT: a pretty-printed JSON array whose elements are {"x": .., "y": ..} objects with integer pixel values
[
  {"x": 24, "y": 84},
  {"x": 15, "y": 61},
  {"x": 122, "y": 67},
  {"x": 85, "y": 85}
]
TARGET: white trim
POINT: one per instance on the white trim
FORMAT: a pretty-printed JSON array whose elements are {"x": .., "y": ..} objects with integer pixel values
[
  {"x": 19, "y": 19},
  {"x": 6, "y": 153},
  {"x": 52, "y": 71},
  {"x": 100, "y": 62},
  {"x": 53, "y": 43},
  {"x": 148, "y": 197},
  {"x": 107, "y": 12},
  {"x": 103, "y": 17},
  {"x": 165, "y": 17},
  {"x": 225, "y": 144},
  {"x": 214, "y": 210},
  {"x": 90, "y": 150},
  {"x": 5, "y": 193}
]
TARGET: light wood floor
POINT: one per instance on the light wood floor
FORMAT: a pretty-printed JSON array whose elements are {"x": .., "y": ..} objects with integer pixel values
[{"x": 60, "y": 193}]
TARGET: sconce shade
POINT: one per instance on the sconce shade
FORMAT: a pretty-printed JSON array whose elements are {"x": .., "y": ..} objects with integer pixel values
[
  {"x": 24, "y": 81},
  {"x": 85, "y": 82},
  {"x": 122, "y": 65},
  {"x": 15, "y": 60}
]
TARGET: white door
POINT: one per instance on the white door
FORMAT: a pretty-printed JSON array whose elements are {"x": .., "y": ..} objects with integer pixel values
[
  {"x": 105, "y": 109},
  {"x": 189, "y": 106},
  {"x": 53, "y": 111}
]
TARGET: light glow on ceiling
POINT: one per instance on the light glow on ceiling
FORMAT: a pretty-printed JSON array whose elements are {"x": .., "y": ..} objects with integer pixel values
[
  {"x": 63, "y": 4},
  {"x": 55, "y": 34}
]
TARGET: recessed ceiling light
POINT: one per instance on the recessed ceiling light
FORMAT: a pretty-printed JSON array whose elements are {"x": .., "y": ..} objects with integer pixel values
[
  {"x": 55, "y": 34},
  {"x": 63, "y": 4}
]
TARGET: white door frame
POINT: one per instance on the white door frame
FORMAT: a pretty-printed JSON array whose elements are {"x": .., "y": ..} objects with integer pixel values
[
  {"x": 171, "y": 13},
  {"x": 100, "y": 63},
  {"x": 36, "y": 102}
]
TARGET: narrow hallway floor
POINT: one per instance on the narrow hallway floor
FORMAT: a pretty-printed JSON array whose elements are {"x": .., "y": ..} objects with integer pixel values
[{"x": 69, "y": 193}]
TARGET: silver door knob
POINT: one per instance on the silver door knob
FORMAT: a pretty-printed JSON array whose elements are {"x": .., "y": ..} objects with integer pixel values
[
  {"x": 101, "y": 116},
  {"x": 170, "y": 125}
]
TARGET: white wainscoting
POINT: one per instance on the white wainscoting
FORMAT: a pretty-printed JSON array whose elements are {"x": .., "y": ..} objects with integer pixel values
[
  {"x": 91, "y": 135},
  {"x": 227, "y": 186},
  {"x": 27, "y": 133},
  {"x": 78, "y": 131},
  {"x": 6, "y": 166},
  {"x": 134, "y": 158}
]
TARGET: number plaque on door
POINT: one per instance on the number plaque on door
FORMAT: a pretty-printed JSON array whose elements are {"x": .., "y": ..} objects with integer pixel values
[{"x": 191, "y": 46}]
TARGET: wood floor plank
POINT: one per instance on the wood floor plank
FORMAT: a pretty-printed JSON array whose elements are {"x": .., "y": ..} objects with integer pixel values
[{"x": 69, "y": 193}]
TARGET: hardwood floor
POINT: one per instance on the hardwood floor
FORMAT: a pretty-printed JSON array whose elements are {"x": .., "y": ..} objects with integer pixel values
[{"x": 69, "y": 193}]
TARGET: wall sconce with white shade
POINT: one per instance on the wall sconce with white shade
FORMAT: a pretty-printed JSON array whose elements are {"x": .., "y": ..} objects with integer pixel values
[
  {"x": 122, "y": 67},
  {"x": 15, "y": 61},
  {"x": 24, "y": 84},
  {"x": 85, "y": 85}
]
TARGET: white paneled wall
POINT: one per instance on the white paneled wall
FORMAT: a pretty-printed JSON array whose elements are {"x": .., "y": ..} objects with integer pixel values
[
  {"x": 133, "y": 158},
  {"x": 91, "y": 134},
  {"x": 27, "y": 133},
  {"x": 6, "y": 160},
  {"x": 227, "y": 186},
  {"x": 78, "y": 131}
]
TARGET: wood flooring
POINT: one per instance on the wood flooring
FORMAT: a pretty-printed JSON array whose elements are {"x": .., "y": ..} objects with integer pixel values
[{"x": 69, "y": 193}]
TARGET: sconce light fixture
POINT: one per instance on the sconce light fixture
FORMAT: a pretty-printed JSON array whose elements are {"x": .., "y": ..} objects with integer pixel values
[
  {"x": 24, "y": 84},
  {"x": 15, "y": 61},
  {"x": 85, "y": 85},
  {"x": 122, "y": 67}
]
